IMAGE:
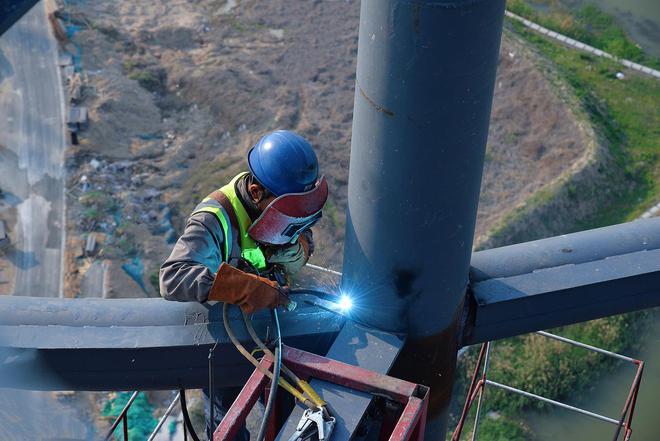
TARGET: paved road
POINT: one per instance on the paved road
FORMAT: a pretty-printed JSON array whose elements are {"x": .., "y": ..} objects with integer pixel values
[{"x": 32, "y": 152}]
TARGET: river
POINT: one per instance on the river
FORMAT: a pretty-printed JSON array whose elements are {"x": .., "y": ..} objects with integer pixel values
[{"x": 608, "y": 396}]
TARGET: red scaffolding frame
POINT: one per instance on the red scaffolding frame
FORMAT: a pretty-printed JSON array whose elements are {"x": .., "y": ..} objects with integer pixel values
[
  {"x": 479, "y": 382},
  {"x": 414, "y": 397}
]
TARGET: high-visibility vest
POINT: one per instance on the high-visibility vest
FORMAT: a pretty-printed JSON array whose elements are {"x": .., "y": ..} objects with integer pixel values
[{"x": 237, "y": 243}]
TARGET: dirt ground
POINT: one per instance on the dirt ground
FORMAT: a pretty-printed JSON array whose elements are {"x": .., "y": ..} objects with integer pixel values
[{"x": 179, "y": 91}]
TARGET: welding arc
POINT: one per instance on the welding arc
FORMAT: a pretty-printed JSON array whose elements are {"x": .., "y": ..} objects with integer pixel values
[
  {"x": 277, "y": 360},
  {"x": 302, "y": 384},
  {"x": 282, "y": 382}
]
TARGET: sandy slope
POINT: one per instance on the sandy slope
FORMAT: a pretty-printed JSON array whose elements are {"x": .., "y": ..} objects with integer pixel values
[{"x": 186, "y": 88}]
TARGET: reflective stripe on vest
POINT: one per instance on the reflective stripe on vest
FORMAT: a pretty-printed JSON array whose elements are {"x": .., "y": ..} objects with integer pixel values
[
  {"x": 212, "y": 206},
  {"x": 249, "y": 249}
]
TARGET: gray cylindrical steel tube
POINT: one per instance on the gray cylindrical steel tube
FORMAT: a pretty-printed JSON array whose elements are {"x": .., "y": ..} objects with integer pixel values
[
  {"x": 423, "y": 94},
  {"x": 567, "y": 249}
]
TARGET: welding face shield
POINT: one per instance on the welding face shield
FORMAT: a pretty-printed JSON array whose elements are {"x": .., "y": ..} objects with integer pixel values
[{"x": 289, "y": 215}]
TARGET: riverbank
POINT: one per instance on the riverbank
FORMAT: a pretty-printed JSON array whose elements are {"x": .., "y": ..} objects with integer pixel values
[
  {"x": 622, "y": 183},
  {"x": 607, "y": 397}
]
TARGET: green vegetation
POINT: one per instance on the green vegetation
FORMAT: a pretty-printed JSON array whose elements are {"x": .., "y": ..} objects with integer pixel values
[
  {"x": 501, "y": 429},
  {"x": 99, "y": 200},
  {"x": 97, "y": 205},
  {"x": 150, "y": 77},
  {"x": 147, "y": 79},
  {"x": 624, "y": 112},
  {"x": 141, "y": 421},
  {"x": 125, "y": 242},
  {"x": 92, "y": 214},
  {"x": 554, "y": 369}
]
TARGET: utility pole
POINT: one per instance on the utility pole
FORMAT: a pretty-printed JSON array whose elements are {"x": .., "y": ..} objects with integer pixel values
[{"x": 425, "y": 76}]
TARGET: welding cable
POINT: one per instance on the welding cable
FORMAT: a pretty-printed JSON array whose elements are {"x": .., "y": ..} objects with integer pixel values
[
  {"x": 316, "y": 293},
  {"x": 212, "y": 388},
  {"x": 277, "y": 360},
  {"x": 282, "y": 382},
  {"x": 186, "y": 416},
  {"x": 302, "y": 384}
]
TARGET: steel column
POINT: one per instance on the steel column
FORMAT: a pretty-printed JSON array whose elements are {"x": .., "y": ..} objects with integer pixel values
[
  {"x": 423, "y": 94},
  {"x": 563, "y": 280}
]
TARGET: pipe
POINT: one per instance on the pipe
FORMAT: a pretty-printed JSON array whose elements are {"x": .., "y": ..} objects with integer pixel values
[
  {"x": 128, "y": 344},
  {"x": 423, "y": 93},
  {"x": 567, "y": 249}
]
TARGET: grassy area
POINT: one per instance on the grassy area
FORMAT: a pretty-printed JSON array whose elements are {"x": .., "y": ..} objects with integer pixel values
[
  {"x": 97, "y": 207},
  {"x": 626, "y": 114}
]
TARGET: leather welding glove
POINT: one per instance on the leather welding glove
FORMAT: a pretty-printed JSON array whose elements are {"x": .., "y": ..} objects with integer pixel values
[
  {"x": 294, "y": 256},
  {"x": 249, "y": 291}
]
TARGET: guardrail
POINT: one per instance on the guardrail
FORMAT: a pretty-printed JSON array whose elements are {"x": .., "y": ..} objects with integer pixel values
[{"x": 477, "y": 388}]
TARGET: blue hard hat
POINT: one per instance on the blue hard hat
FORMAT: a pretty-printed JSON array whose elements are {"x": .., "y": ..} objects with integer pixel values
[{"x": 284, "y": 162}]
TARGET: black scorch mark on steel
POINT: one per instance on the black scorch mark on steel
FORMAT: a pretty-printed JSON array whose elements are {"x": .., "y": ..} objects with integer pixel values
[
  {"x": 404, "y": 280},
  {"x": 375, "y": 104}
]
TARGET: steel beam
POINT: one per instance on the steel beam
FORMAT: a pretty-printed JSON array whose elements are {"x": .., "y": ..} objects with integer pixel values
[
  {"x": 128, "y": 344},
  {"x": 12, "y": 11},
  {"x": 563, "y": 280},
  {"x": 367, "y": 348},
  {"x": 567, "y": 249},
  {"x": 423, "y": 93}
]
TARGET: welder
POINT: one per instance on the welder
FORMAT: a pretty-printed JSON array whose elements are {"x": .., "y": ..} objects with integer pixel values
[{"x": 237, "y": 236}]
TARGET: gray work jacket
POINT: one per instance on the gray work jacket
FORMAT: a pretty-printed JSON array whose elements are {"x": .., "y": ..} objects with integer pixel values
[{"x": 188, "y": 273}]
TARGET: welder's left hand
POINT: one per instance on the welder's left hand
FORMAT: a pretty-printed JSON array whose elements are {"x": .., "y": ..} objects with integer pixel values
[{"x": 293, "y": 257}]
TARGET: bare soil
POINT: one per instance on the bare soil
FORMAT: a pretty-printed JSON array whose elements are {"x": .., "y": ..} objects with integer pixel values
[{"x": 178, "y": 92}]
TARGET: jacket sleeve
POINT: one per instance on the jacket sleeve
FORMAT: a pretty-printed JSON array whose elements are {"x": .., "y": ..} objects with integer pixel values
[{"x": 187, "y": 275}]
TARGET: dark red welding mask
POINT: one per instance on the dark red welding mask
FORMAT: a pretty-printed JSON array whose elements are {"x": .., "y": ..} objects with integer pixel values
[{"x": 289, "y": 215}]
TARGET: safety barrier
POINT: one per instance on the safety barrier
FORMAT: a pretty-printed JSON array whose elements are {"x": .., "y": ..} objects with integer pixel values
[
  {"x": 413, "y": 397},
  {"x": 478, "y": 388},
  {"x": 123, "y": 418}
]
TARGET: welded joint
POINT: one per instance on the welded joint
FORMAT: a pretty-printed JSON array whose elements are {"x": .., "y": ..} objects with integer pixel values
[{"x": 468, "y": 319}]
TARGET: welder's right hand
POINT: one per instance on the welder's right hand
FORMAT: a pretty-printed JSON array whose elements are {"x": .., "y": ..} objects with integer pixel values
[{"x": 249, "y": 291}]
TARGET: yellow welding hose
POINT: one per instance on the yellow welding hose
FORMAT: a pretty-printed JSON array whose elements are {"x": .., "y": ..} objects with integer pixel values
[
  {"x": 285, "y": 384},
  {"x": 316, "y": 399},
  {"x": 302, "y": 384}
]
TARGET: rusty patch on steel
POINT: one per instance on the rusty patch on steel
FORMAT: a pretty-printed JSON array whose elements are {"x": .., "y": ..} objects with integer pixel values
[
  {"x": 431, "y": 361},
  {"x": 375, "y": 104}
]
